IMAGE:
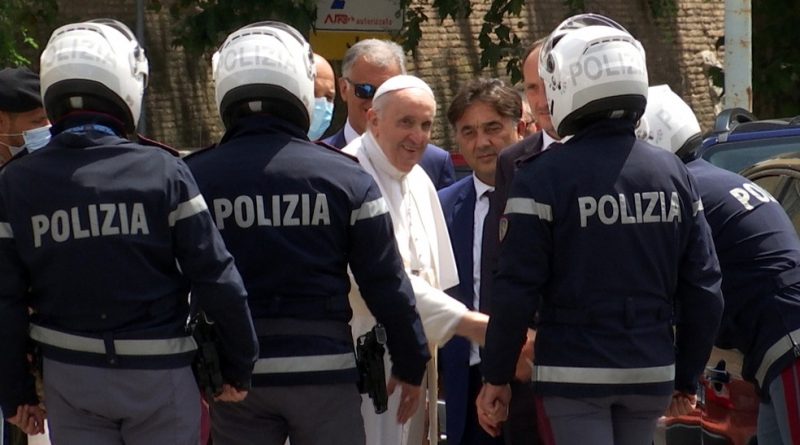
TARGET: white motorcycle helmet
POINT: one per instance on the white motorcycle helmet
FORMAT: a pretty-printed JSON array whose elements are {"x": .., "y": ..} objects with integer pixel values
[
  {"x": 668, "y": 122},
  {"x": 265, "y": 67},
  {"x": 592, "y": 69},
  {"x": 96, "y": 65}
]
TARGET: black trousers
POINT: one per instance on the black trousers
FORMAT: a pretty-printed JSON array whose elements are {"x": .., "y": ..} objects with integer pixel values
[{"x": 521, "y": 427}]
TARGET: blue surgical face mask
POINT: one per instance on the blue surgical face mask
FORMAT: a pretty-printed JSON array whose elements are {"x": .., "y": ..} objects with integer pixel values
[
  {"x": 36, "y": 138},
  {"x": 321, "y": 119}
]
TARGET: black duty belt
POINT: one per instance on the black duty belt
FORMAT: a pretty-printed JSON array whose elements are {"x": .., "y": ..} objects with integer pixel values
[{"x": 268, "y": 327}]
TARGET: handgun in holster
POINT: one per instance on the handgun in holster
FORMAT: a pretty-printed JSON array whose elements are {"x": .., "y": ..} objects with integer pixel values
[
  {"x": 206, "y": 365},
  {"x": 372, "y": 374}
]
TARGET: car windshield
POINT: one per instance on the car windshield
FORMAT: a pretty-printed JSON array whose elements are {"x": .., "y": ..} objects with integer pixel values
[{"x": 736, "y": 156}]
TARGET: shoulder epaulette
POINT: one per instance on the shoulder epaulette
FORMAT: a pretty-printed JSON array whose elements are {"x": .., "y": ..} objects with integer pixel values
[
  {"x": 153, "y": 143},
  {"x": 528, "y": 157},
  {"x": 200, "y": 150},
  {"x": 334, "y": 149}
]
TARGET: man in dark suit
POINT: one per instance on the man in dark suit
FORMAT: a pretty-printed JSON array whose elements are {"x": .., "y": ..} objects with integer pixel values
[
  {"x": 485, "y": 116},
  {"x": 535, "y": 143},
  {"x": 366, "y": 65},
  {"x": 520, "y": 427}
]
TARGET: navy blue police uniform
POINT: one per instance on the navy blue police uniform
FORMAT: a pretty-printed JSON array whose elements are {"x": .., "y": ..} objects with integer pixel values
[
  {"x": 295, "y": 215},
  {"x": 108, "y": 237},
  {"x": 759, "y": 254},
  {"x": 603, "y": 236}
]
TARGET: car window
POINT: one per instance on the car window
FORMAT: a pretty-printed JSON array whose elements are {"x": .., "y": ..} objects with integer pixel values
[
  {"x": 773, "y": 184},
  {"x": 791, "y": 202},
  {"x": 786, "y": 189},
  {"x": 736, "y": 156}
]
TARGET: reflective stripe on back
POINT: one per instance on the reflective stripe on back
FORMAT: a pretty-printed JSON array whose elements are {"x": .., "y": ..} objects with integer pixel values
[
  {"x": 776, "y": 351},
  {"x": 5, "y": 230},
  {"x": 187, "y": 209},
  {"x": 527, "y": 206},
  {"x": 71, "y": 342},
  {"x": 368, "y": 210},
  {"x": 603, "y": 376},
  {"x": 309, "y": 363}
]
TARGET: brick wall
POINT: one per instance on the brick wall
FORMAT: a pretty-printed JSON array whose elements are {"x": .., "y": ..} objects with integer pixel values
[
  {"x": 448, "y": 55},
  {"x": 180, "y": 106}
]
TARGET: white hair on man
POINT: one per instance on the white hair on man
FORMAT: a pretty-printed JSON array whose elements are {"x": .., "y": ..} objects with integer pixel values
[{"x": 397, "y": 83}]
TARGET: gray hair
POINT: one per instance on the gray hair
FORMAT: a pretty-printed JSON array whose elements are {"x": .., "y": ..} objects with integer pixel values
[{"x": 381, "y": 53}]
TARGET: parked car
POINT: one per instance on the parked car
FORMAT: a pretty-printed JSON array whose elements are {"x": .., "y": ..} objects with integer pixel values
[
  {"x": 780, "y": 176},
  {"x": 768, "y": 153},
  {"x": 740, "y": 140}
]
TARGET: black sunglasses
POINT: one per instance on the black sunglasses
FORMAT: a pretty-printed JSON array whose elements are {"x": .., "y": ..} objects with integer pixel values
[{"x": 363, "y": 90}]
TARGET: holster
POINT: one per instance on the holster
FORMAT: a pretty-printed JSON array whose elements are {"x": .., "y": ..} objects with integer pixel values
[
  {"x": 206, "y": 364},
  {"x": 371, "y": 369}
]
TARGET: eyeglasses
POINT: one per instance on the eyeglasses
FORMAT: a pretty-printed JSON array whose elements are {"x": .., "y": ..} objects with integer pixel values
[{"x": 363, "y": 90}]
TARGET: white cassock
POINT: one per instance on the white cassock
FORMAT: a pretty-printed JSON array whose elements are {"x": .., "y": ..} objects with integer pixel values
[{"x": 424, "y": 244}]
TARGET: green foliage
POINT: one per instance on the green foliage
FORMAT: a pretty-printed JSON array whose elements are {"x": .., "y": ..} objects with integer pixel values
[
  {"x": 776, "y": 59},
  {"x": 663, "y": 8},
  {"x": 575, "y": 6},
  {"x": 19, "y": 22},
  {"x": 412, "y": 29},
  {"x": 496, "y": 39},
  {"x": 201, "y": 25}
]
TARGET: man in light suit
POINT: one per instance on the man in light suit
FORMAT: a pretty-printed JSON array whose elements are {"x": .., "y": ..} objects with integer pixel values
[
  {"x": 485, "y": 116},
  {"x": 366, "y": 65}
]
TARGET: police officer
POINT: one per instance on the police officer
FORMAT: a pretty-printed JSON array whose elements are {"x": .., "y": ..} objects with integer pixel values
[
  {"x": 604, "y": 237},
  {"x": 295, "y": 215},
  {"x": 24, "y": 127},
  {"x": 759, "y": 254},
  {"x": 109, "y": 237},
  {"x": 23, "y": 123}
]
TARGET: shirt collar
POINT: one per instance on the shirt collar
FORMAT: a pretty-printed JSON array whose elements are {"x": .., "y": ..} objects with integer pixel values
[
  {"x": 546, "y": 140},
  {"x": 349, "y": 132},
  {"x": 481, "y": 187}
]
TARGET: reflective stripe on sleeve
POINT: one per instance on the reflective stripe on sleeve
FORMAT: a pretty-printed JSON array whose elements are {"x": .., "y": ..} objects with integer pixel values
[
  {"x": 776, "y": 351},
  {"x": 603, "y": 376},
  {"x": 697, "y": 207},
  {"x": 368, "y": 210},
  {"x": 309, "y": 363},
  {"x": 187, "y": 209},
  {"x": 79, "y": 343},
  {"x": 5, "y": 230},
  {"x": 527, "y": 206}
]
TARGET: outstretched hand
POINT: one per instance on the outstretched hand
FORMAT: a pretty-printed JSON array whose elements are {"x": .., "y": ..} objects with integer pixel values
[{"x": 409, "y": 398}]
